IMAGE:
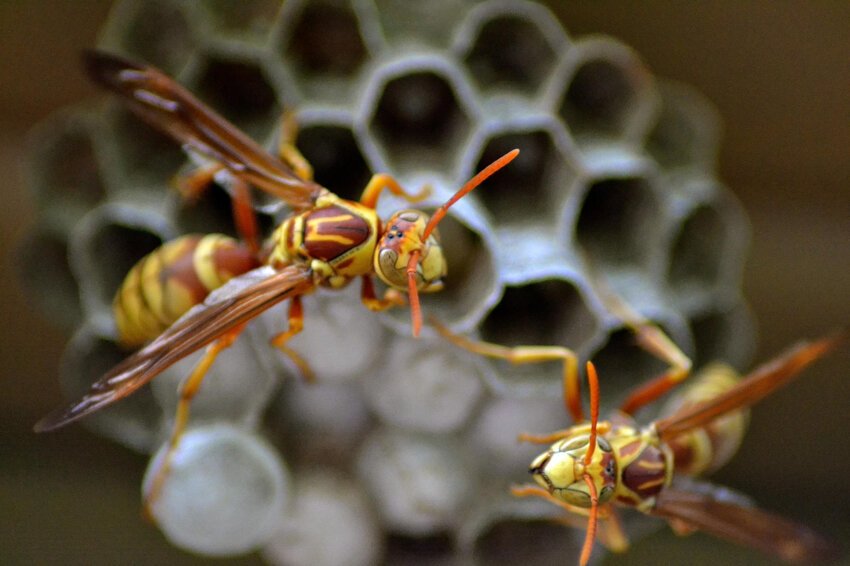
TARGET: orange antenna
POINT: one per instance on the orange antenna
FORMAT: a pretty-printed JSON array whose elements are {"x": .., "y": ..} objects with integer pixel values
[
  {"x": 593, "y": 383},
  {"x": 590, "y": 535},
  {"x": 413, "y": 262}
]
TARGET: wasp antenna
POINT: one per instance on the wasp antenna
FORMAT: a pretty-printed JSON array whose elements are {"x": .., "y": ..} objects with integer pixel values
[
  {"x": 413, "y": 293},
  {"x": 467, "y": 188},
  {"x": 593, "y": 383},
  {"x": 413, "y": 263},
  {"x": 590, "y": 535}
]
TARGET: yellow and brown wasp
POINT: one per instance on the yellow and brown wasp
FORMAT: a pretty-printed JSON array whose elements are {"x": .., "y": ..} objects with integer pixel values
[
  {"x": 201, "y": 291},
  {"x": 595, "y": 466}
]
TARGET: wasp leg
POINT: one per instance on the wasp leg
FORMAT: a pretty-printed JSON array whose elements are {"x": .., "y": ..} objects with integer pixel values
[
  {"x": 527, "y": 355},
  {"x": 194, "y": 183},
  {"x": 381, "y": 181},
  {"x": 296, "y": 325},
  {"x": 543, "y": 438},
  {"x": 653, "y": 340},
  {"x": 188, "y": 390},
  {"x": 287, "y": 151},
  {"x": 392, "y": 297}
]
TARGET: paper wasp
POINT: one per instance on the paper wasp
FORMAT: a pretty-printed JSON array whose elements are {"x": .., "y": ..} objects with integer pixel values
[
  {"x": 201, "y": 291},
  {"x": 595, "y": 466}
]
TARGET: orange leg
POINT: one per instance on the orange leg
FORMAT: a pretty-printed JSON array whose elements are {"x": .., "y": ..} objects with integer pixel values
[
  {"x": 550, "y": 438},
  {"x": 653, "y": 340},
  {"x": 287, "y": 151},
  {"x": 381, "y": 181},
  {"x": 296, "y": 325},
  {"x": 392, "y": 297},
  {"x": 188, "y": 390},
  {"x": 193, "y": 184},
  {"x": 528, "y": 355}
]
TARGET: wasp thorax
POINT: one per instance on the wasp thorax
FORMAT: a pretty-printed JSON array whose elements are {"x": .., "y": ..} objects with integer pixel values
[
  {"x": 403, "y": 235},
  {"x": 561, "y": 469}
]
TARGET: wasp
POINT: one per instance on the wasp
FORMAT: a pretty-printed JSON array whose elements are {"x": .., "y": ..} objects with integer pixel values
[
  {"x": 200, "y": 291},
  {"x": 593, "y": 467}
]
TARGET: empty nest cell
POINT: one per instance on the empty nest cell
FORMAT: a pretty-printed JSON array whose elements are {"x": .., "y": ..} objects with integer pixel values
[
  {"x": 618, "y": 223},
  {"x": 323, "y": 39},
  {"x": 156, "y": 32},
  {"x": 697, "y": 258},
  {"x": 337, "y": 161},
  {"x": 419, "y": 122},
  {"x": 510, "y": 53}
]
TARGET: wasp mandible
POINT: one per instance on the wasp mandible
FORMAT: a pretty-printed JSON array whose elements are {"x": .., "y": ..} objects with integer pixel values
[{"x": 201, "y": 291}]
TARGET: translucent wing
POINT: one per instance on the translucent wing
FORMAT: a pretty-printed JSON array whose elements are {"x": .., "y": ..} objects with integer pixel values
[
  {"x": 166, "y": 105},
  {"x": 728, "y": 518},
  {"x": 760, "y": 383},
  {"x": 242, "y": 299}
]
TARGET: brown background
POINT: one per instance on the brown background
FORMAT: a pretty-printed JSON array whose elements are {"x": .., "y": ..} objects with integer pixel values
[{"x": 779, "y": 74}]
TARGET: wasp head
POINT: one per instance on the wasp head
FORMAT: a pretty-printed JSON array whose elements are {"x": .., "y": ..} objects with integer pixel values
[
  {"x": 562, "y": 468},
  {"x": 404, "y": 235}
]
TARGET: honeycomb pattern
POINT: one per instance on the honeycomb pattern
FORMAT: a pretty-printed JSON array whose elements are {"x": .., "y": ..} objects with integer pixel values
[{"x": 404, "y": 447}]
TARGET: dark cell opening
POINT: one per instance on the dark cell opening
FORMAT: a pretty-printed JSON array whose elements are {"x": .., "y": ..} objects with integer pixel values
[
  {"x": 336, "y": 159},
  {"x": 598, "y": 99},
  {"x": 325, "y": 40}
]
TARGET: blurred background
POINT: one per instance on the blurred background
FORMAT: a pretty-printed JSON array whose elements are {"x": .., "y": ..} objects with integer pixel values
[{"x": 779, "y": 74}]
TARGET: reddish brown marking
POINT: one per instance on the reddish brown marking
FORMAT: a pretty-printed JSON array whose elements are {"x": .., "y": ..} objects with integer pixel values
[
  {"x": 354, "y": 229},
  {"x": 345, "y": 263},
  {"x": 630, "y": 448},
  {"x": 234, "y": 260},
  {"x": 627, "y": 500},
  {"x": 182, "y": 270},
  {"x": 646, "y": 474}
]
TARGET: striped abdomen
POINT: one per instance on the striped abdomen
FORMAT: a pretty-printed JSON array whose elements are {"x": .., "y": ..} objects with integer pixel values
[
  {"x": 706, "y": 449},
  {"x": 173, "y": 278}
]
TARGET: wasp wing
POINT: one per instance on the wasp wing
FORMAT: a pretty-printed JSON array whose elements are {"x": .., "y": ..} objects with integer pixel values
[
  {"x": 760, "y": 383},
  {"x": 239, "y": 301},
  {"x": 711, "y": 510},
  {"x": 163, "y": 103}
]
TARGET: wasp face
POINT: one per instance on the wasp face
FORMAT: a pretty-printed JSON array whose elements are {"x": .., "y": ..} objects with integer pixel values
[
  {"x": 561, "y": 469},
  {"x": 404, "y": 235}
]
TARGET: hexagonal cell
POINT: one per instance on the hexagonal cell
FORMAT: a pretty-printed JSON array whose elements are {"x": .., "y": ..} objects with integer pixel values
[
  {"x": 419, "y": 121},
  {"x": 104, "y": 251},
  {"x": 143, "y": 156},
  {"x": 430, "y": 22},
  {"x": 245, "y": 19},
  {"x": 157, "y": 32},
  {"x": 622, "y": 365},
  {"x": 64, "y": 168},
  {"x": 45, "y": 271},
  {"x": 327, "y": 502},
  {"x": 337, "y": 161},
  {"x": 239, "y": 90},
  {"x": 697, "y": 258},
  {"x": 618, "y": 225},
  {"x": 418, "y": 482},
  {"x": 510, "y": 53},
  {"x": 724, "y": 334},
  {"x": 251, "y": 483},
  {"x": 532, "y": 189},
  {"x": 687, "y": 129},
  {"x": 323, "y": 40},
  {"x": 134, "y": 421},
  {"x": 424, "y": 385},
  {"x": 548, "y": 312},
  {"x": 608, "y": 93}
]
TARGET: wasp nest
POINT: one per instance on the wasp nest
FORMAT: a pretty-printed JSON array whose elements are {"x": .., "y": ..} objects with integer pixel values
[{"x": 404, "y": 449}]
